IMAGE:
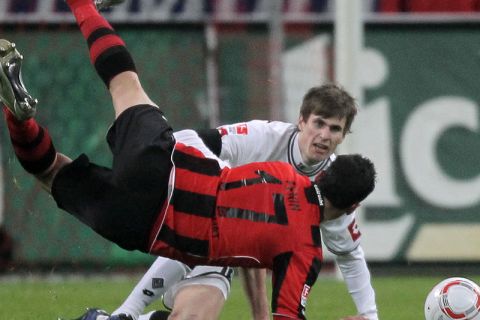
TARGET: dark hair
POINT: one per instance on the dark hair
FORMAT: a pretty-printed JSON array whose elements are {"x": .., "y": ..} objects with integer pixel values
[
  {"x": 329, "y": 100},
  {"x": 348, "y": 180}
]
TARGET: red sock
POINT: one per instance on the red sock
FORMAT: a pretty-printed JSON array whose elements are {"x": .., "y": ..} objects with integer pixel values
[
  {"x": 32, "y": 143},
  {"x": 108, "y": 52}
]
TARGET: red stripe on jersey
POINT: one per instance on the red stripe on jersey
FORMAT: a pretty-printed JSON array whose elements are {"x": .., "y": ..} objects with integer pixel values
[
  {"x": 209, "y": 186},
  {"x": 196, "y": 177}
]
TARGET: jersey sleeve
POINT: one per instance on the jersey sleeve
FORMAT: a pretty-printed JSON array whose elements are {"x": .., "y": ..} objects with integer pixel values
[
  {"x": 293, "y": 275},
  {"x": 254, "y": 141},
  {"x": 191, "y": 138},
  {"x": 357, "y": 277},
  {"x": 341, "y": 235}
]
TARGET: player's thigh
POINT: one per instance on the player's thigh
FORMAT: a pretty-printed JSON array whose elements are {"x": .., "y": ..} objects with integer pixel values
[{"x": 199, "y": 302}]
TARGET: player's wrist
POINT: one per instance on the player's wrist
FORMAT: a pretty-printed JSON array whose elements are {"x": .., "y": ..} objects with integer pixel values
[{"x": 265, "y": 315}]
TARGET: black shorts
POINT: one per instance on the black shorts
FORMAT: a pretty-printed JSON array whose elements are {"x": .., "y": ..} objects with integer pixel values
[{"x": 121, "y": 203}]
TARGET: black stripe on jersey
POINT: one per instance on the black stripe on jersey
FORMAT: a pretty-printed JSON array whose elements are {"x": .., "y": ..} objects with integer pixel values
[
  {"x": 193, "y": 203},
  {"x": 312, "y": 276},
  {"x": 184, "y": 244},
  {"x": 263, "y": 177},
  {"x": 280, "y": 267},
  {"x": 212, "y": 139},
  {"x": 280, "y": 210},
  {"x": 311, "y": 195},
  {"x": 280, "y": 216},
  {"x": 316, "y": 237},
  {"x": 315, "y": 268},
  {"x": 206, "y": 166}
]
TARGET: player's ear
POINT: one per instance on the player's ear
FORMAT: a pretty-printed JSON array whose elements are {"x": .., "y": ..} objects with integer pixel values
[
  {"x": 301, "y": 122},
  {"x": 352, "y": 208}
]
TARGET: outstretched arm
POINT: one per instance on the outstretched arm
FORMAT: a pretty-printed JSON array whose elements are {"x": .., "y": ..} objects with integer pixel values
[
  {"x": 342, "y": 237},
  {"x": 357, "y": 277},
  {"x": 256, "y": 291}
]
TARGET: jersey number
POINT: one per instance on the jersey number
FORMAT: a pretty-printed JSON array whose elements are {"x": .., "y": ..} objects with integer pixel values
[{"x": 354, "y": 230}]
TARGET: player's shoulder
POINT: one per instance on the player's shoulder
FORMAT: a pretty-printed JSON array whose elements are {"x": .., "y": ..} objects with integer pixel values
[
  {"x": 274, "y": 129},
  {"x": 281, "y": 126},
  {"x": 341, "y": 235},
  {"x": 255, "y": 125}
]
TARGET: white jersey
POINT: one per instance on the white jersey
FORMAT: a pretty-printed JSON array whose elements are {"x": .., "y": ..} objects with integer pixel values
[{"x": 258, "y": 141}]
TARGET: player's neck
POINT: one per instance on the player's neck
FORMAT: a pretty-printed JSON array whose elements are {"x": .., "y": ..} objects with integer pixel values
[{"x": 330, "y": 212}]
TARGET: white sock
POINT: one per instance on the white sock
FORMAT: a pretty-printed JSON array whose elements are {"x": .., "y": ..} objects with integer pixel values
[{"x": 162, "y": 274}]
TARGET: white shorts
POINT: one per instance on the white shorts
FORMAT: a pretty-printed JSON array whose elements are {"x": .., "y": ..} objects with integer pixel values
[{"x": 218, "y": 277}]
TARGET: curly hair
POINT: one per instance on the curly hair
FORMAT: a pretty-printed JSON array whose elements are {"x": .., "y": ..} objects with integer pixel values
[{"x": 348, "y": 180}]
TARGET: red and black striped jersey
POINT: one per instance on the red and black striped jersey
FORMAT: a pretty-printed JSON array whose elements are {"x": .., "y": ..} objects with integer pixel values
[{"x": 262, "y": 214}]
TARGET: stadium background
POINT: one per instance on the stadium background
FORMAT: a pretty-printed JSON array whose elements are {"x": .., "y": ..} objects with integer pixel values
[{"x": 419, "y": 117}]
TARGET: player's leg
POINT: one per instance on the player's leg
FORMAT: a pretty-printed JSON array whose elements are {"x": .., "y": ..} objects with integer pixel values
[
  {"x": 31, "y": 142},
  {"x": 94, "y": 194},
  {"x": 109, "y": 56},
  {"x": 161, "y": 275},
  {"x": 191, "y": 303},
  {"x": 187, "y": 298},
  {"x": 121, "y": 203}
]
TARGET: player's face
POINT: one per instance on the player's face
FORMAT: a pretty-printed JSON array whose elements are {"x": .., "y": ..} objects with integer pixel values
[{"x": 319, "y": 137}]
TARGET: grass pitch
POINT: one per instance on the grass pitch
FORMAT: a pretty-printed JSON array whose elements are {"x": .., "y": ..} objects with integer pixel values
[{"x": 398, "y": 298}]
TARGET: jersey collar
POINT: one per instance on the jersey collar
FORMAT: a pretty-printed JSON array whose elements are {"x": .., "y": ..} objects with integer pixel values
[{"x": 295, "y": 158}]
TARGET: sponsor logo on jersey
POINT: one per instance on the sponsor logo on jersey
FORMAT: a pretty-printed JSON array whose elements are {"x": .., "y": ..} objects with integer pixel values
[{"x": 238, "y": 129}]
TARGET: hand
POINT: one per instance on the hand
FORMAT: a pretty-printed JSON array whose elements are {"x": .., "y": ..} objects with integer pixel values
[{"x": 355, "y": 318}]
